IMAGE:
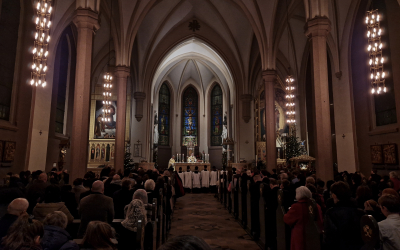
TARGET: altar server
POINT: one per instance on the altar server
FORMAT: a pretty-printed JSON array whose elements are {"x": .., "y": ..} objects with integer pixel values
[
  {"x": 181, "y": 175},
  {"x": 205, "y": 179},
  {"x": 187, "y": 180},
  {"x": 196, "y": 176},
  {"x": 213, "y": 180}
]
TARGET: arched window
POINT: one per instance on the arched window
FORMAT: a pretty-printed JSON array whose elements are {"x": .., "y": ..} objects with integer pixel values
[
  {"x": 189, "y": 117},
  {"x": 216, "y": 116},
  {"x": 164, "y": 98},
  {"x": 9, "y": 25}
]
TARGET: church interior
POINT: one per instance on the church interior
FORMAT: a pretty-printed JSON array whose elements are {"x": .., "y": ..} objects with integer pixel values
[{"x": 238, "y": 84}]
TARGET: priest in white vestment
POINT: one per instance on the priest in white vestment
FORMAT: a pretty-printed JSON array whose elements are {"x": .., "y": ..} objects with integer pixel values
[
  {"x": 205, "y": 179},
  {"x": 171, "y": 162},
  {"x": 196, "y": 176},
  {"x": 187, "y": 184},
  {"x": 192, "y": 159}
]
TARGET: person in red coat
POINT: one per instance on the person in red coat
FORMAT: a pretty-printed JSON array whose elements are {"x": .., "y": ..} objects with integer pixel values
[{"x": 297, "y": 218}]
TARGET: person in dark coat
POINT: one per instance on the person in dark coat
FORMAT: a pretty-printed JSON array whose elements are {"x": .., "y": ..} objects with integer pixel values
[
  {"x": 15, "y": 209},
  {"x": 35, "y": 191},
  {"x": 122, "y": 198},
  {"x": 114, "y": 186},
  {"x": 55, "y": 237},
  {"x": 270, "y": 195},
  {"x": 342, "y": 221},
  {"x": 297, "y": 218},
  {"x": 96, "y": 206},
  {"x": 68, "y": 197}
]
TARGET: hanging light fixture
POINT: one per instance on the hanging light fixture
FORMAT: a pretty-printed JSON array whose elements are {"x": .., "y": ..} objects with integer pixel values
[
  {"x": 376, "y": 60},
  {"x": 290, "y": 104},
  {"x": 107, "y": 83},
  {"x": 290, "y": 98},
  {"x": 40, "y": 46}
]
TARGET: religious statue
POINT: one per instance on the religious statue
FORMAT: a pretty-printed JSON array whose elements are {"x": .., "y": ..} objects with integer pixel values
[
  {"x": 192, "y": 159},
  {"x": 224, "y": 133},
  {"x": 171, "y": 162},
  {"x": 277, "y": 114},
  {"x": 155, "y": 137}
]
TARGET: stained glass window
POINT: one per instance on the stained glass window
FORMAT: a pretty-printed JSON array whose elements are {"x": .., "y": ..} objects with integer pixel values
[
  {"x": 189, "y": 116},
  {"x": 216, "y": 116},
  {"x": 164, "y": 115}
]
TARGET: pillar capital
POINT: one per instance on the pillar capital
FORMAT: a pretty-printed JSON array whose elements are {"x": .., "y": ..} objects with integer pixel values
[
  {"x": 139, "y": 97},
  {"x": 246, "y": 107},
  {"x": 121, "y": 71},
  {"x": 86, "y": 19},
  {"x": 269, "y": 75},
  {"x": 318, "y": 26}
]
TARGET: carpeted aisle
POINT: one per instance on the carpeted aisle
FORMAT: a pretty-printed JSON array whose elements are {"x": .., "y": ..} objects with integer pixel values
[{"x": 204, "y": 216}]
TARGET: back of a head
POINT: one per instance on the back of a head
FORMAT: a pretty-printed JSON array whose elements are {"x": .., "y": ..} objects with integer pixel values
[
  {"x": 393, "y": 174},
  {"x": 310, "y": 180},
  {"x": 56, "y": 218},
  {"x": 24, "y": 232},
  {"x": 43, "y": 177},
  {"x": 78, "y": 182},
  {"x": 98, "y": 236},
  {"x": 98, "y": 186},
  {"x": 140, "y": 194},
  {"x": 185, "y": 242},
  {"x": 52, "y": 194},
  {"x": 149, "y": 185},
  {"x": 390, "y": 191},
  {"x": 341, "y": 190},
  {"x": 391, "y": 202},
  {"x": 116, "y": 177},
  {"x": 126, "y": 183},
  {"x": 18, "y": 206},
  {"x": 303, "y": 193}
]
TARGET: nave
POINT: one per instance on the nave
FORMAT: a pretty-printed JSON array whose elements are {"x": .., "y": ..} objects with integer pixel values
[{"x": 202, "y": 215}]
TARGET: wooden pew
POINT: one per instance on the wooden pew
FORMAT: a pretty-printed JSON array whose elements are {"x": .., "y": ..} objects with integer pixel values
[
  {"x": 248, "y": 206},
  {"x": 239, "y": 197},
  {"x": 225, "y": 188},
  {"x": 140, "y": 235},
  {"x": 369, "y": 232},
  {"x": 243, "y": 188},
  {"x": 160, "y": 221},
  {"x": 235, "y": 198},
  {"x": 262, "y": 212}
]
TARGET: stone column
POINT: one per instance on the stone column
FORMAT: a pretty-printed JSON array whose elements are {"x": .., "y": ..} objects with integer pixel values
[
  {"x": 269, "y": 78},
  {"x": 121, "y": 76},
  {"x": 86, "y": 22},
  {"x": 246, "y": 107},
  {"x": 317, "y": 30},
  {"x": 139, "y": 97}
]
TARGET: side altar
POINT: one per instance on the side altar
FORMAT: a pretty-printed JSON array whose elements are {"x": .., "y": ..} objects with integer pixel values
[{"x": 184, "y": 165}]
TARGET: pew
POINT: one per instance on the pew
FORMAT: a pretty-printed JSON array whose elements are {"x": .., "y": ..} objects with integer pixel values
[
  {"x": 235, "y": 198},
  {"x": 160, "y": 222},
  {"x": 243, "y": 188},
  {"x": 262, "y": 217},
  {"x": 229, "y": 194},
  {"x": 225, "y": 189},
  {"x": 248, "y": 207},
  {"x": 369, "y": 232},
  {"x": 140, "y": 235}
]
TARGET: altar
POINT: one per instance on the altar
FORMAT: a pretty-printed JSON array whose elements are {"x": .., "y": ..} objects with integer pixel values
[{"x": 184, "y": 165}]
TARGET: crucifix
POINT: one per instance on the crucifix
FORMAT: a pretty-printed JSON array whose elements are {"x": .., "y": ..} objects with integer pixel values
[
  {"x": 138, "y": 141},
  {"x": 343, "y": 136}
]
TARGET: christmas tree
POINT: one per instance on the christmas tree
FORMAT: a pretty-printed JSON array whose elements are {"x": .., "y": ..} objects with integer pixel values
[
  {"x": 293, "y": 147},
  {"x": 128, "y": 162}
]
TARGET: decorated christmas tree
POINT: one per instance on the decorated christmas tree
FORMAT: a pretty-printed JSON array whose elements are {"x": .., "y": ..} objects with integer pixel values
[
  {"x": 128, "y": 162},
  {"x": 293, "y": 147}
]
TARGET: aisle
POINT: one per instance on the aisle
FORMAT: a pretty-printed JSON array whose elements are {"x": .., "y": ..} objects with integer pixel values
[{"x": 203, "y": 216}]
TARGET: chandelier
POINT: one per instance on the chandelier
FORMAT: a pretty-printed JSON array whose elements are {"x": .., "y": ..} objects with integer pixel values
[
  {"x": 376, "y": 60},
  {"x": 290, "y": 105},
  {"x": 40, "y": 47},
  {"x": 107, "y": 84}
]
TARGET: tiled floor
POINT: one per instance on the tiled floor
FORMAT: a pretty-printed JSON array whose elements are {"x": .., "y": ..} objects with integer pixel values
[{"x": 204, "y": 216}]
